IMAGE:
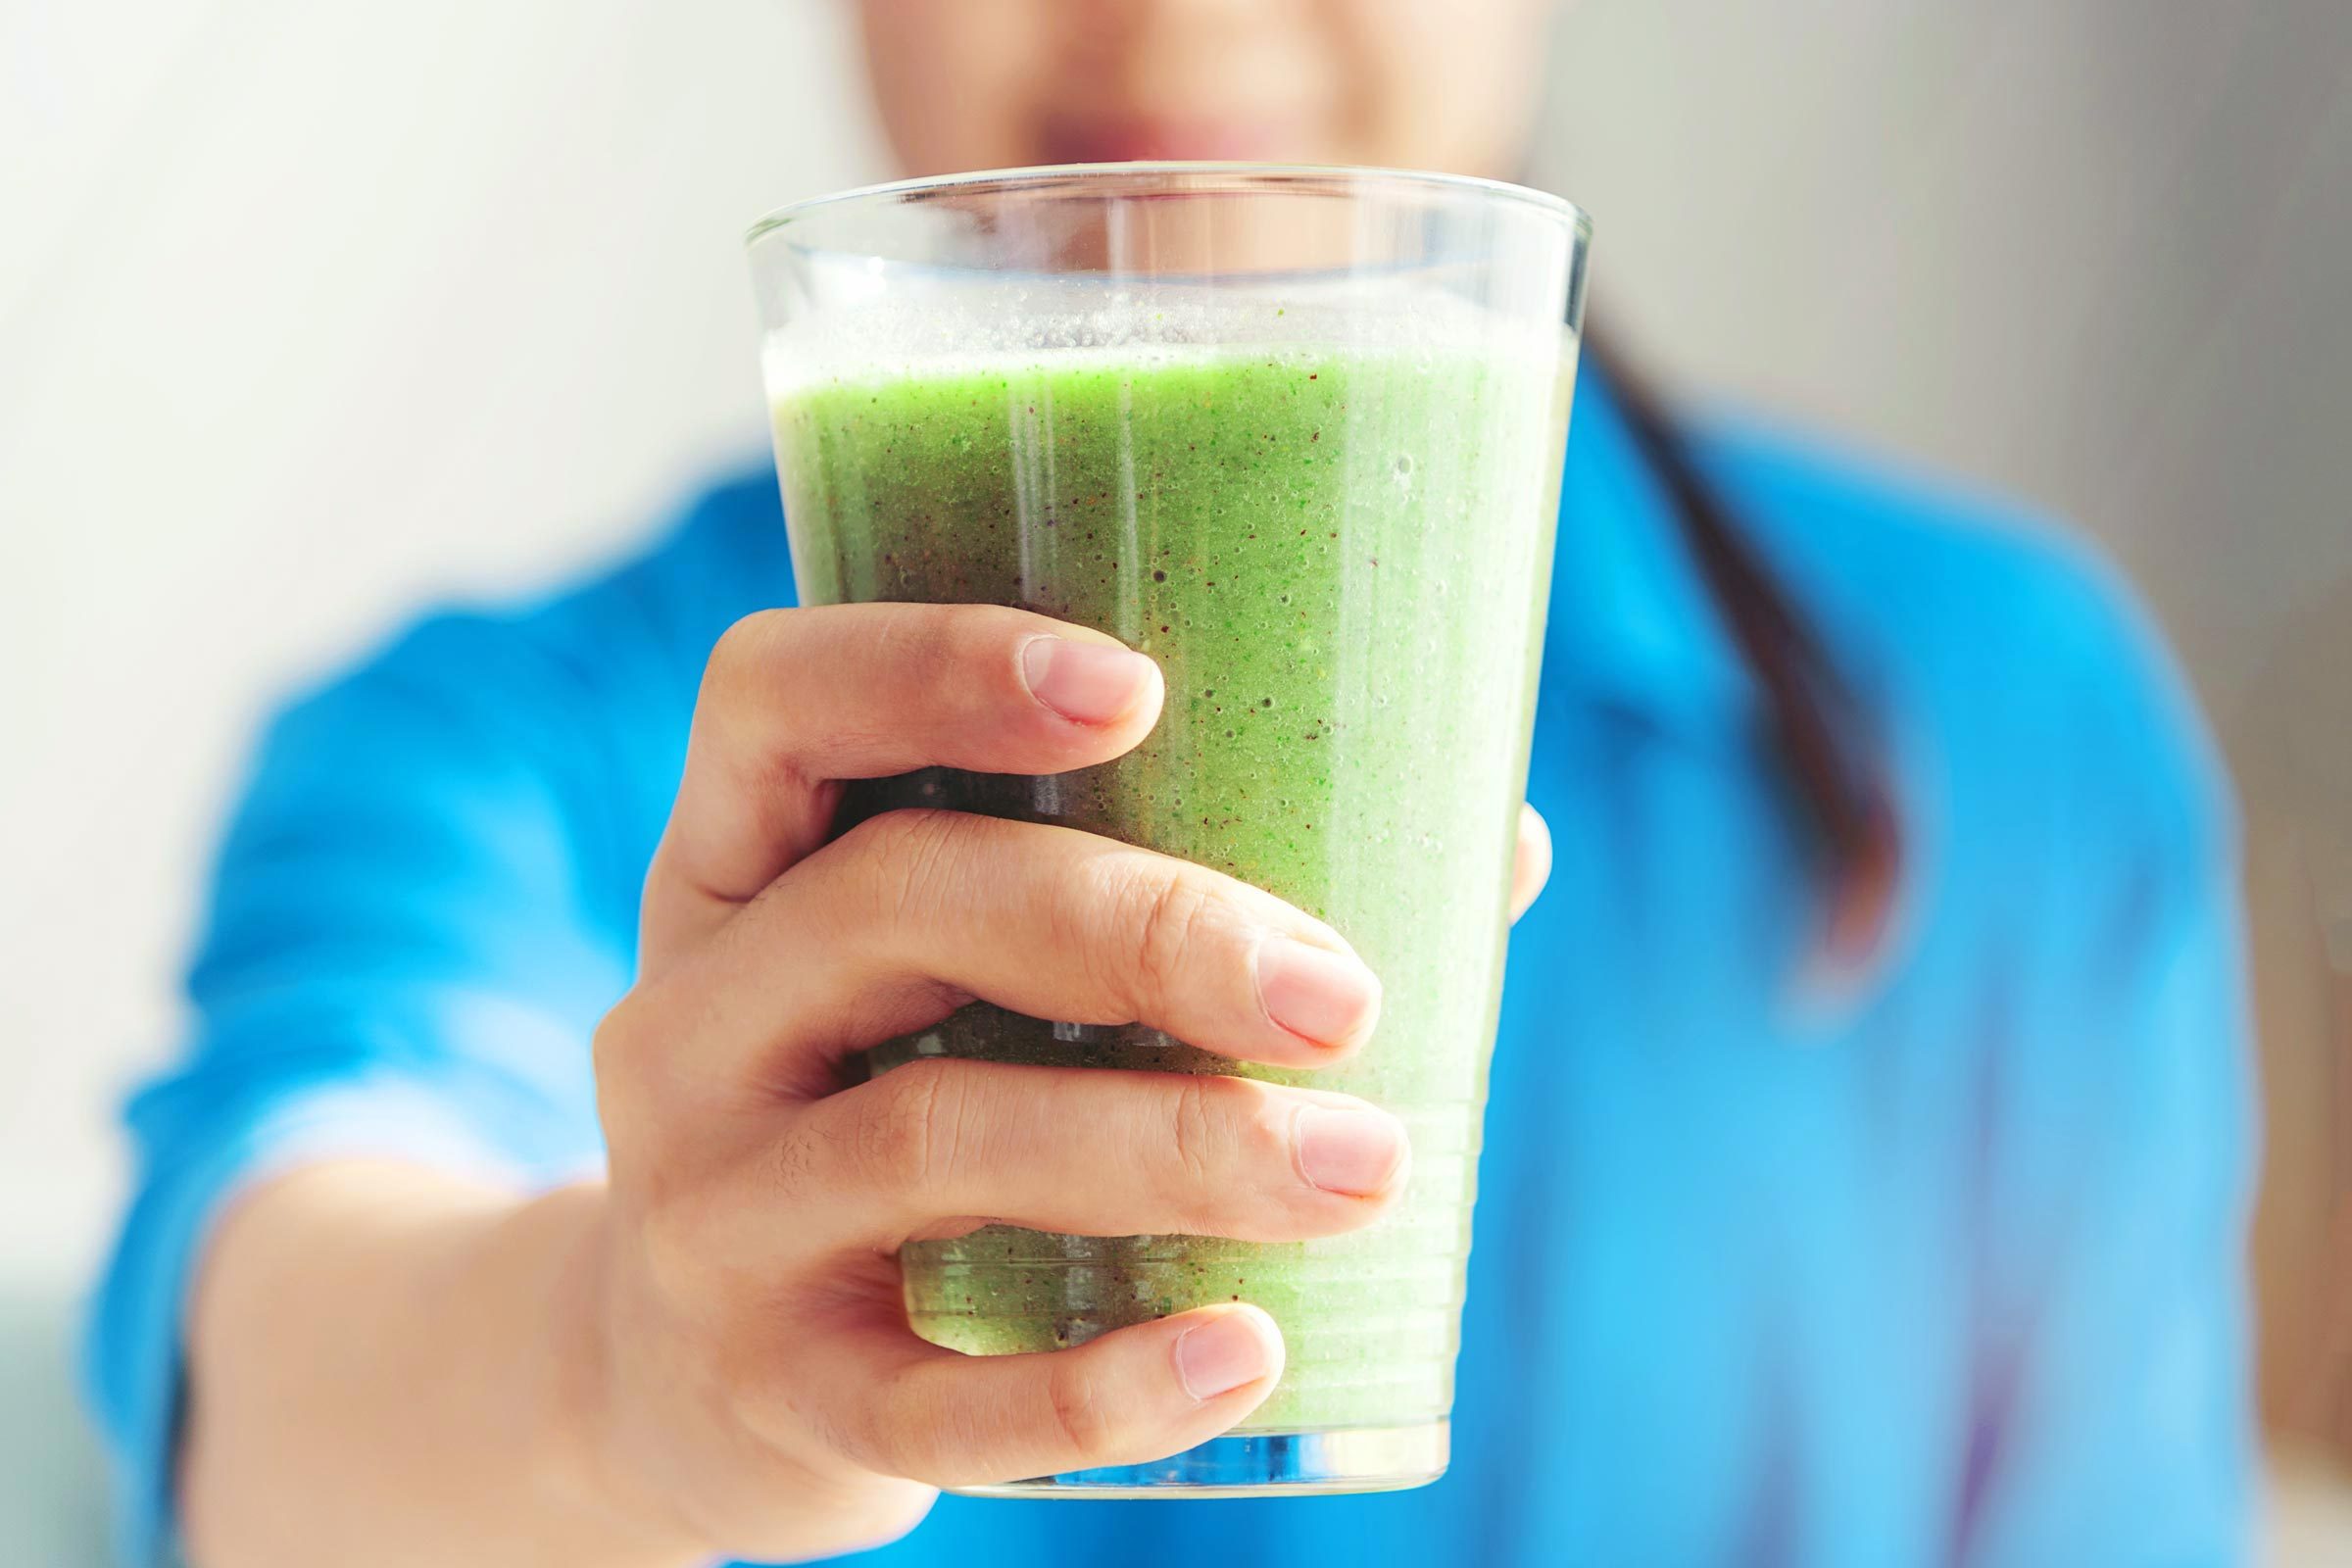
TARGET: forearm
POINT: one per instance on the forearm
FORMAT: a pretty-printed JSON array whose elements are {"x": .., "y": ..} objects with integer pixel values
[{"x": 390, "y": 1365}]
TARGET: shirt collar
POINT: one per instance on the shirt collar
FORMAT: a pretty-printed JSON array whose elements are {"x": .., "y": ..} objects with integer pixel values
[{"x": 1630, "y": 623}]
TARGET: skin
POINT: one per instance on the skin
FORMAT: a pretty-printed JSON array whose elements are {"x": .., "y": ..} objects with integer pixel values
[
  {"x": 1449, "y": 85},
  {"x": 703, "y": 1354}
]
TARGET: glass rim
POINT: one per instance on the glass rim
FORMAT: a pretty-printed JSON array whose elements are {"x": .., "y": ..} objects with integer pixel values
[{"x": 1274, "y": 174}]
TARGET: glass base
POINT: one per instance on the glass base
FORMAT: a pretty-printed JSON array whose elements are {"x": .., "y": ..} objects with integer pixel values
[{"x": 1260, "y": 1464}]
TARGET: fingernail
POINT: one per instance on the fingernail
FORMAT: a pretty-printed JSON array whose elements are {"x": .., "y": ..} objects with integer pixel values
[
  {"x": 1225, "y": 1352},
  {"x": 1090, "y": 683},
  {"x": 1325, "y": 996},
  {"x": 1351, "y": 1152}
]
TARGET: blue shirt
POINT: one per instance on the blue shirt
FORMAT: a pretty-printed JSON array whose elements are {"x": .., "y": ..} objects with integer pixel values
[{"x": 1946, "y": 1270}]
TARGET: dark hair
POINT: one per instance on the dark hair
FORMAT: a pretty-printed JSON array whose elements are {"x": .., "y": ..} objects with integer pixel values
[{"x": 1828, "y": 741}]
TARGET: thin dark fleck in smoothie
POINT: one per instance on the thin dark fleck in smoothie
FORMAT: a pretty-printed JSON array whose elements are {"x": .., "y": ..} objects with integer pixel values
[{"x": 1340, "y": 560}]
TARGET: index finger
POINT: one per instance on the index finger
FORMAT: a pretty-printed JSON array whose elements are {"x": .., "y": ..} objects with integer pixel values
[{"x": 795, "y": 701}]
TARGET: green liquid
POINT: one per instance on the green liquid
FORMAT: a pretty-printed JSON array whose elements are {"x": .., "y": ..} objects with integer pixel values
[{"x": 1340, "y": 560}]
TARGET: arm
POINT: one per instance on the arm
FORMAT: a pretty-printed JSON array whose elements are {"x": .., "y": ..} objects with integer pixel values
[
  {"x": 400, "y": 961},
  {"x": 705, "y": 1353},
  {"x": 438, "y": 1330}
]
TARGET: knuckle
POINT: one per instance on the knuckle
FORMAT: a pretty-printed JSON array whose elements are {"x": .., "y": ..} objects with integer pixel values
[
  {"x": 612, "y": 1053},
  {"x": 1193, "y": 1130},
  {"x": 1081, "y": 1417},
  {"x": 737, "y": 713},
  {"x": 791, "y": 1165},
  {"x": 907, "y": 861},
  {"x": 1171, "y": 911},
  {"x": 618, "y": 1060},
  {"x": 655, "y": 1178},
  {"x": 741, "y": 649},
  {"x": 1263, "y": 1116},
  {"x": 895, "y": 1429},
  {"x": 922, "y": 640},
  {"x": 871, "y": 1436},
  {"x": 1227, "y": 1136},
  {"x": 908, "y": 1127}
]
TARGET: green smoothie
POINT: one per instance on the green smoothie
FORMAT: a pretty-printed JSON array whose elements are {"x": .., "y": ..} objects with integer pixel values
[{"x": 1339, "y": 559}]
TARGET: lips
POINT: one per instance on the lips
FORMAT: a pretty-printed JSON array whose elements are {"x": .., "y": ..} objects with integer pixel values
[{"x": 1164, "y": 139}]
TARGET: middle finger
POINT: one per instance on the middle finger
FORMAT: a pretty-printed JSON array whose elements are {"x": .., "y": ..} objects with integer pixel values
[{"x": 912, "y": 915}]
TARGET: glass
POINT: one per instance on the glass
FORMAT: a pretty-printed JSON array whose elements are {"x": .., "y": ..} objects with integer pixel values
[{"x": 1296, "y": 434}]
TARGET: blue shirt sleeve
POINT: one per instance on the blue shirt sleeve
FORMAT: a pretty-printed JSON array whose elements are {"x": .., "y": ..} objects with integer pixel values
[{"x": 416, "y": 918}]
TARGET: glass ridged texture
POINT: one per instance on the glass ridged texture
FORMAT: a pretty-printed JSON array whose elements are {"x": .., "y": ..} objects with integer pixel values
[{"x": 1296, "y": 434}]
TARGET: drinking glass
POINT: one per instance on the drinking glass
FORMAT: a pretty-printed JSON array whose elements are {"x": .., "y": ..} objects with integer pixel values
[{"x": 1295, "y": 433}]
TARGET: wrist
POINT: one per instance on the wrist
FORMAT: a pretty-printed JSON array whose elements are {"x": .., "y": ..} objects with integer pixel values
[{"x": 586, "y": 1471}]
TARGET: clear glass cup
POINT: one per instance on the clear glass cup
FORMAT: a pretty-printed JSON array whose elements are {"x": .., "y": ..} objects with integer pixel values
[{"x": 1296, "y": 434}]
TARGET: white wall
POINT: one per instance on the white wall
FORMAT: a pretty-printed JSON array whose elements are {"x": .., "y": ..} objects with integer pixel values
[
  {"x": 310, "y": 311},
  {"x": 321, "y": 310},
  {"x": 2097, "y": 251}
]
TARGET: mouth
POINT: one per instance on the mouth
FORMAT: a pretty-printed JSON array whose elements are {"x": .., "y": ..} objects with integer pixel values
[{"x": 1161, "y": 139}]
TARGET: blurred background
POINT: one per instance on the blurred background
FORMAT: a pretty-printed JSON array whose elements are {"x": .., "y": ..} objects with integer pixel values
[{"x": 311, "y": 312}]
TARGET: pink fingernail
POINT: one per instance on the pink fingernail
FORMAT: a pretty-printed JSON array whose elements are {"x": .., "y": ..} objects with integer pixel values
[
  {"x": 1088, "y": 683},
  {"x": 1229, "y": 1350},
  {"x": 1327, "y": 997},
  {"x": 1354, "y": 1152}
]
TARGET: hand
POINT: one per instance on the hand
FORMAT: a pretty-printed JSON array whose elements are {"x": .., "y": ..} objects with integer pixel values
[{"x": 754, "y": 1381}]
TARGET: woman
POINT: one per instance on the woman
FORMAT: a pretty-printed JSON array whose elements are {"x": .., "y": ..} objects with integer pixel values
[{"x": 1865, "y": 1172}]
